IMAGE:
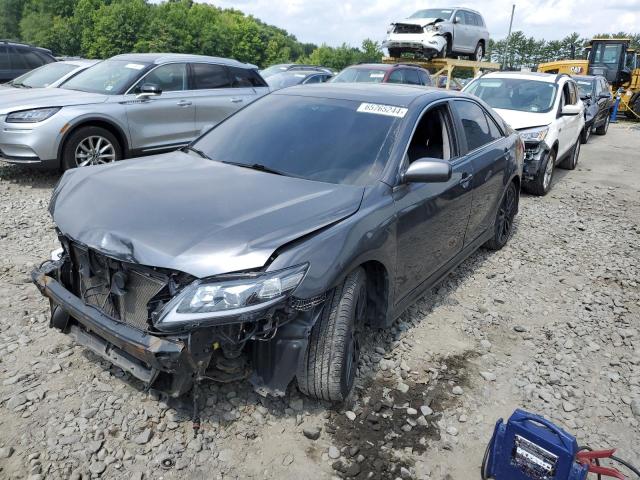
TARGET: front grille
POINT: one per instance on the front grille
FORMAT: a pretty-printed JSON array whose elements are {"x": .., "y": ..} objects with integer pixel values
[
  {"x": 407, "y": 28},
  {"x": 117, "y": 289}
]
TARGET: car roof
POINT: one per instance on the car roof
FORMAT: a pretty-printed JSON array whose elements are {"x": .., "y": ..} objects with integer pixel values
[
  {"x": 160, "y": 58},
  {"x": 586, "y": 77},
  {"x": 379, "y": 66},
  {"x": 543, "y": 77},
  {"x": 384, "y": 93},
  {"x": 21, "y": 44},
  {"x": 303, "y": 72},
  {"x": 80, "y": 62}
]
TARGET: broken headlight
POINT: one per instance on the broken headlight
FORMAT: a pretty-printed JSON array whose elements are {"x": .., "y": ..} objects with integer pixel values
[
  {"x": 537, "y": 134},
  {"x": 205, "y": 301}
]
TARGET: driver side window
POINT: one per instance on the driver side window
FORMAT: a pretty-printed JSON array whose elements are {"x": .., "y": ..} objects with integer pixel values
[
  {"x": 432, "y": 137},
  {"x": 169, "y": 78}
]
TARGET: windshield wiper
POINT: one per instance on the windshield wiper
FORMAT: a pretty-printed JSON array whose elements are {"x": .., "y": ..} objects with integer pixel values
[
  {"x": 259, "y": 167},
  {"x": 19, "y": 85},
  {"x": 199, "y": 152}
]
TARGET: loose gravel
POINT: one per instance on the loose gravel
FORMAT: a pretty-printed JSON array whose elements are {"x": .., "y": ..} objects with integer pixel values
[{"x": 550, "y": 323}]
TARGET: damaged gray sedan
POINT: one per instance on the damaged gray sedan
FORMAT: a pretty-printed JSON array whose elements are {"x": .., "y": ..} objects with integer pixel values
[{"x": 263, "y": 249}]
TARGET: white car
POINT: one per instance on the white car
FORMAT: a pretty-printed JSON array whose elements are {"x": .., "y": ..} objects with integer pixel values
[
  {"x": 50, "y": 75},
  {"x": 547, "y": 112}
]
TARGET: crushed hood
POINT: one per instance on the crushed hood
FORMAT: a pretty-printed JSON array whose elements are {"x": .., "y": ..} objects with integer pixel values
[
  {"x": 186, "y": 213},
  {"x": 423, "y": 22},
  {"x": 25, "y": 99},
  {"x": 522, "y": 120}
]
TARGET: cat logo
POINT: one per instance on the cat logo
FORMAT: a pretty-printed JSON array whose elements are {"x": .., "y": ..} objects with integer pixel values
[{"x": 576, "y": 69}]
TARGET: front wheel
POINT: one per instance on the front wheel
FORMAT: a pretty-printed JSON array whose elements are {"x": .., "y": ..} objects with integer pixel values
[
  {"x": 542, "y": 183},
  {"x": 586, "y": 134},
  {"x": 331, "y": 360},
  {"x": 90, "y": 146},
  {"x": 504, "y": 219},
  {"x": 446, "y": 49},
  {"x": 602, "y": 129}
]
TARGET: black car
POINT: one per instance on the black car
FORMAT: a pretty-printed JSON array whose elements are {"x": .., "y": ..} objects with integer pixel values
[
  {"x": 19, "y": 58},
  {"x": 296, "y": 77},
  {"x": 266, "y": 246},
  {"x": 598, "y": 104}
]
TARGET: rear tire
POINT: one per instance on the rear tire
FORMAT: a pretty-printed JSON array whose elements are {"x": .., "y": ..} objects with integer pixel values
[
  {"x": 541, "y": 185},
  {"x": 330, "y": 362},
  {"x": 571, "y": 161},
  {"x": 602, "y": 129},
  {"x": 479, "y": 52},
  {"x": 76, "y": 149},
  {"x": 504, "y": 219}
]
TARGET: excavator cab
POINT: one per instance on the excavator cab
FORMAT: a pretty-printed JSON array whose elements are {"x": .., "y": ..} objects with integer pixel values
[{"x": 608, "y": 57}]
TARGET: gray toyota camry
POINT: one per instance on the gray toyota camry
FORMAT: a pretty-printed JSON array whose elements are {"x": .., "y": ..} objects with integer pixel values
[{"x": 264, "y": 248}]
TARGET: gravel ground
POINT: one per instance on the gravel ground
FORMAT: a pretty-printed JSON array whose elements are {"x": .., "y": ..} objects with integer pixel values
[{"x": 550, "y": 323}]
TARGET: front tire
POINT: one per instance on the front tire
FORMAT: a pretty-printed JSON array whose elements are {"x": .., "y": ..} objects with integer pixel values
[
  {"x": 446, "y": 49},
  {"x": 602, "y": 129},
  {"x": 331, "y": 360},
  {"x": 541, "y": 185},
  {"x": 504, "y": 219},
  {"x": 90, "y": 146},
  {"x": 586, "y": 134}
]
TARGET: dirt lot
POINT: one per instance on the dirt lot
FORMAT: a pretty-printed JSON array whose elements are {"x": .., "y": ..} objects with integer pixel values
[{"x": 551, "y": 323}]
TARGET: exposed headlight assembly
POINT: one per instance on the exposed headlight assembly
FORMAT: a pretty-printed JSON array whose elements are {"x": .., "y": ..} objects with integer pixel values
[
  {"x": 534, "y": 134},
  {"x": 432, "y": 28},
  {"x": 207, "y": 302},
  {"x": 32, "y": 116}
]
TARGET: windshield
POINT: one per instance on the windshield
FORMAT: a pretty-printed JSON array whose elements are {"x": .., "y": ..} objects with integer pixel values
[
  {"x": 515, "y": 93},
  {"x": 585, "y": 87},
  {"x": 282, "y": 80},
  {"x": 272, "y": 70},
  {"x": 43, "y": 76},
  {"x": 321, "y": 139},
  {"x": 444, "y": 13},
  {"x": 360, "y": 75},
  {"x": 110, "y": 77}
]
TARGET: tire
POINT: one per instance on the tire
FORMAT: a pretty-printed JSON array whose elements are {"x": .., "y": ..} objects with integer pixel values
[
  {"x": 329, "y": 367},
  {"x": 571, "y": 161},
  {"x": 504, "y": 219},
  {"x": 446, "y": 49},
  {"x": 602, "y": 129},
  {"x": 478, "y": 53},
  {"x": 541, "y": 185},
  {"x": 81, "y": 141},
  {"x": 586, "y": 134}
]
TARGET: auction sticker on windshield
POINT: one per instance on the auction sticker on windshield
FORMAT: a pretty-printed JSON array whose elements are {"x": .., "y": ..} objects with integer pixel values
[
  {"x": 134, "y": 66},
  {"x": 389, "y": 110}
]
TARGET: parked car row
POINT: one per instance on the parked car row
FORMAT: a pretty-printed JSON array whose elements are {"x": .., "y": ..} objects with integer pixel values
[{"x": 19, "y": 58}]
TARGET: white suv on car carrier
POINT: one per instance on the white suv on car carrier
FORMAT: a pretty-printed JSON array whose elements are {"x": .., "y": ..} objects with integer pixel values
[{"x": 547, "y": 112}]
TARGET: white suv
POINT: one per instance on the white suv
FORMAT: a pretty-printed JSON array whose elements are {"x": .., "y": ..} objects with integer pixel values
[{"x": 547, "y": 112}]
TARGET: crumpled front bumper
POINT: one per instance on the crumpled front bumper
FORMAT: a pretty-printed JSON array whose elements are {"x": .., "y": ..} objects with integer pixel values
[
  {"x": 426, "y": 42},
  {"x": 534, "y": 155}
]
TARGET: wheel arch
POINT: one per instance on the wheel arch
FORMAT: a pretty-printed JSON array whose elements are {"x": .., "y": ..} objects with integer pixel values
[
  {"x": 377, "y": 292},
  {"x": 97, "y": 122}
]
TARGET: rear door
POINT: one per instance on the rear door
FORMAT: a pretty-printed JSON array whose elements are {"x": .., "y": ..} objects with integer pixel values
[
  {"x": 603, "y": 103},
  {"x": 164, "y": 121},
  {"x": 489, "y": 150}
]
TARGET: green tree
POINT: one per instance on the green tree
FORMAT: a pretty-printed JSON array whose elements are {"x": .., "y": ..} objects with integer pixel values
[{"x": 10, "y": 16}]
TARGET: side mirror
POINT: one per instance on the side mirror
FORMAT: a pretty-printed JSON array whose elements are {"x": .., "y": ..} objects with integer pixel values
[
  {"x": 149, "y": 90},
  {"x": 427, "y": 170},
  {"x": 457, "y": 20},
  {"x": 570, "y": 110}
]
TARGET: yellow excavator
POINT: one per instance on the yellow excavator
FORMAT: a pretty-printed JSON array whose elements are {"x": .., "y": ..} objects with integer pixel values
[{"x": 613, "y": 59}]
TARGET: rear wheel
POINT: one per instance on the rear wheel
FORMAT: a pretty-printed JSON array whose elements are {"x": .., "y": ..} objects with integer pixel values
[
  {"x": 90, "y": 146},
  {"x": 331, "y": 361},
  {"x": 571, "y": 161},
  {"x": 504, "y": 219},
  {"x": 602, "y": 129},
  {"x": 542, "y": 183},
  {"x": 479, "y": 52}
]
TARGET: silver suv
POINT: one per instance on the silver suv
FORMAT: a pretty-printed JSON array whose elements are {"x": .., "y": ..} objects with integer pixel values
[
  {"x": 127, "y": 106},
  {"x": 442, "y": 32}
]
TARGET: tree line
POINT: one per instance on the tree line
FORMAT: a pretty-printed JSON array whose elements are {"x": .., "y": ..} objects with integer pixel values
[{"x": 103, "y": 28}]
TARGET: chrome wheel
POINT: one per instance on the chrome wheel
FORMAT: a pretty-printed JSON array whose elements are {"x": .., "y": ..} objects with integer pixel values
[
  {"x": 94, "y": 150},
  {"x": 548, "y": 172}
]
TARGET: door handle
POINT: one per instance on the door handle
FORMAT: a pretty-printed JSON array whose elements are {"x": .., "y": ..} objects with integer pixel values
[
  {"x": 183, "y": 103},
  {"x": 465, "y": 181},
  {"x": 236, "y": 100}
]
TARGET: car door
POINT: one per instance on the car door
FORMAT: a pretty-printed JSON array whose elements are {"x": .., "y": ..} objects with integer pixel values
[
  {"x": 166, "y": 120},
  {"x": 489, "y": 150},
  {"x": 566, "y": 135},
  {"x": 461, "y": 32},
  {"x": 575, "y": 122},
  {"x": 431, "y": 218}
]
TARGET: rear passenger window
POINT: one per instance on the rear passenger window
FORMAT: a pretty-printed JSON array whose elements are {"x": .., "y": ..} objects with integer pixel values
[
  {"x": 479, "y": 21},
  {"x": 397, "y": 76},
  {"x": 478, "y": 128},
  {"x": 244, "y": 77},
  {"x": 411, "y": 77},
  {"x": 30, "y": 58},
  {"x": 425, "y": 79},
  {"x": 208, "y": 76}
]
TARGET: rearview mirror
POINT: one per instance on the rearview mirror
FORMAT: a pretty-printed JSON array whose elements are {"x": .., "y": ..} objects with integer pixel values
[
  {"x": 571, "y": 110},
  {"x": 427, "y": 170},
  {"x": 149, "y": 90}
]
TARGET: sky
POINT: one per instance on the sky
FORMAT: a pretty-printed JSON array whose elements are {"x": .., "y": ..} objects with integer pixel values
[{"x": 334, "y": 21}]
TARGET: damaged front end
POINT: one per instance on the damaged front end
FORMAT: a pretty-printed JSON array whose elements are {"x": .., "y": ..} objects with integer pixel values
[
  {"x": 172, "y": 330},
  {"x": 425, "y": 40}
]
